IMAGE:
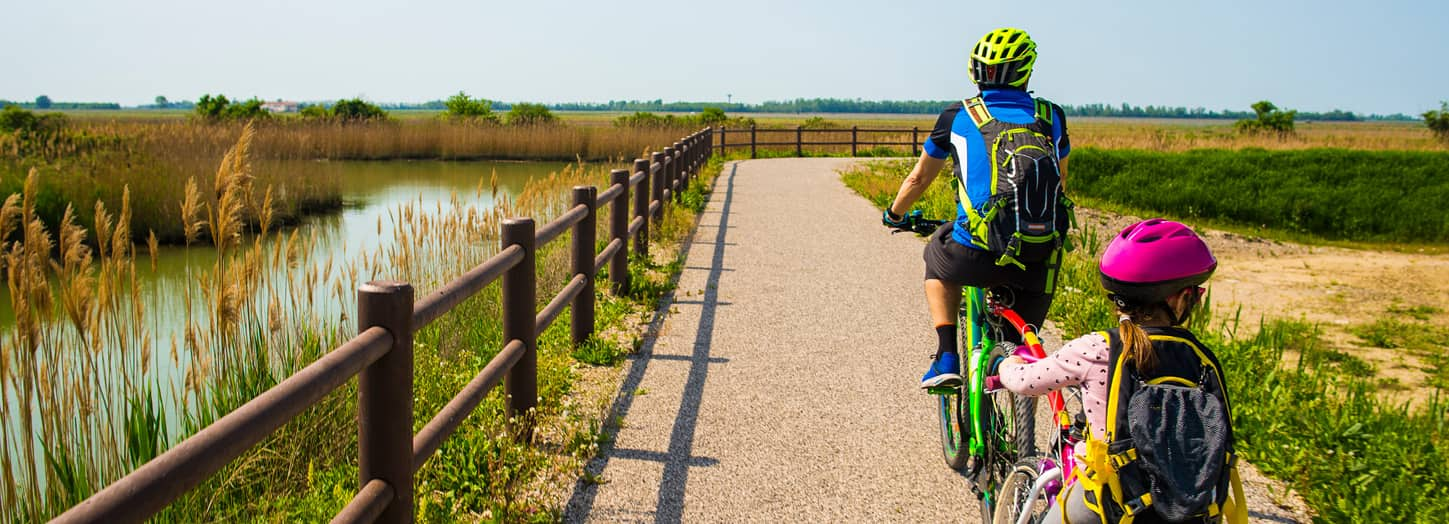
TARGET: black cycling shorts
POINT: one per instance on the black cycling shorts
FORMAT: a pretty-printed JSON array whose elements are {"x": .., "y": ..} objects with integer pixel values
[{"x": 1028, "y": 291}]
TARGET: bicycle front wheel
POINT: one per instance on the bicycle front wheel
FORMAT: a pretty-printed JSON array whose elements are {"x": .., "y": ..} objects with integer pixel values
[
  {"x": 954, "y": 429},
  {"x": 1010, "y": 434},
  {"x": 1016, "y": 496}
]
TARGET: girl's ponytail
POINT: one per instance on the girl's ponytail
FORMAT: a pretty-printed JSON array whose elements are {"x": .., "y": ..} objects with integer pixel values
[{"x": 1137, "y": 344}]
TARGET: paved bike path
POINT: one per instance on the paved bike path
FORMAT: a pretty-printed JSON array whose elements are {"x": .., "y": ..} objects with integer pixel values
[{"x": 782, "y": 385}]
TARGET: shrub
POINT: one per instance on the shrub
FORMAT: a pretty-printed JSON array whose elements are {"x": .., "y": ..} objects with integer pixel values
[
  {"x": 648, "y": 121},
  {"x": 314, "y": 112},
  {"x": 1438, "y": 121},
  {"x": 712, "y": 116},
  {"x": 246, "y": 110},
  {"x": 1270, "y": 119},
  {"x": 357, "y": 109},
  {"x": 218, "y": 108},
  {"x": 15, "y": 119},
  {"x": 816, "y": 122},
  {"x": 526, "y": 114},
  {"x": 460, "y": 106}
]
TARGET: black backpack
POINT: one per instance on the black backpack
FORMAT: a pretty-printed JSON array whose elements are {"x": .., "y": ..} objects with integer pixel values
[
  {"x": 1169, "y": 456},
  {"x": 1028, "y": 215}
]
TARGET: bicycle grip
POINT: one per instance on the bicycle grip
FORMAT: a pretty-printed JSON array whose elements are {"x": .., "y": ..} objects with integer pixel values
[{"x": 993, "y": 383}]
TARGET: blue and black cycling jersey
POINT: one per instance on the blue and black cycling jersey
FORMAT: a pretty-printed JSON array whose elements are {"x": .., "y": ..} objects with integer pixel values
[{"x": 957, "y": 136}]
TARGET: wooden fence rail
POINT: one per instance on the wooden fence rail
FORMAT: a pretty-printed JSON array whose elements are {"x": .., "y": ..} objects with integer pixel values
[
  {"x": 381, "y": 355},
  {"x": 797, "y": 138}
]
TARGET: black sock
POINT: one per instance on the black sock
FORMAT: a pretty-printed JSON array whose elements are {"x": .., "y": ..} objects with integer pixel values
[{"x": 947, "y": 336}]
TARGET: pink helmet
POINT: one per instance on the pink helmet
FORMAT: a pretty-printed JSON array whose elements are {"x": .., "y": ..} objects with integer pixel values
[{"x": 1150, "y": 260}]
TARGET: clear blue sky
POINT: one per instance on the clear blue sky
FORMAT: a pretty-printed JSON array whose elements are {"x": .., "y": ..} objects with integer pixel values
[{"x": 1368, "y": 57}]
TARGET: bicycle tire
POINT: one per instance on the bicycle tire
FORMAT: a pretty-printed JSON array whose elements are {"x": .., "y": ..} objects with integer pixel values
[
  {"x": 1021, "y": 431},
  {"x": 954, "y": 430},
  {"x": 1015, "y": 489},
  {"x": 1010, "y": 428}
]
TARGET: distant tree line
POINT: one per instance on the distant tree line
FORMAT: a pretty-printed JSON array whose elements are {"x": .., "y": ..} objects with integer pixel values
[
  {"x": 798, "y": 105},
  {"x": 44, "y": 102},
  {"x": 927, "y": 107}
]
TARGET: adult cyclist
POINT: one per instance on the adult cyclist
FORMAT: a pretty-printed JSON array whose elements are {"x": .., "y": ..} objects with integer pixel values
[{"x": 1001, "y": 64}]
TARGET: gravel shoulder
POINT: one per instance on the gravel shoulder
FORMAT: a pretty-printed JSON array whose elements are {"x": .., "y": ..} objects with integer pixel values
[{"x": 781, "y": 384}]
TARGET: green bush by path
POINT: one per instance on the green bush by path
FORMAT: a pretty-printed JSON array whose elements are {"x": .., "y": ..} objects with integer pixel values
[
  {"x": 526, "y": 114},
  {"x": 1438, "y": 121},
  {"x": 218, "y": 108},
  {"x": 1335, "y": 194},
  {"x": 1315, "y": 423}
]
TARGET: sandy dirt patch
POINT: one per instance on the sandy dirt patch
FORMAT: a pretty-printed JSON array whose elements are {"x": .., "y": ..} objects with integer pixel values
[{"x": 1335, "y": 288}]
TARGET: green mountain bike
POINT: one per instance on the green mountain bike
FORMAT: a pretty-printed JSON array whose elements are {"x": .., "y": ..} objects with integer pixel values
[{"x": 984, "y": 429}]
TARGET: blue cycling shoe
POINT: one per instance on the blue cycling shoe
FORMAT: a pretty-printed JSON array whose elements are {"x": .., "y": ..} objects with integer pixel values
[{"x": 945, "y": 372}]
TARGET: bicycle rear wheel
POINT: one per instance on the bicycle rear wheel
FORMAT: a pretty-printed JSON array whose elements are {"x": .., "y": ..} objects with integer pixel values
[{"x": 1016, "y": 497}]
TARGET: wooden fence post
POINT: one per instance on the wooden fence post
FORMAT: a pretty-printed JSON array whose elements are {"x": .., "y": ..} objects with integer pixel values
[
  {"x": 385, "y": 397},
  {"x": 681, "y": 165},
  {"x": 752, "y": 141},
  {"x": 641, "y": 209},
  {"x": 915, "y": 142},
  {"x": 854, "y": 134},
  {"x": 582, "y": 325},
  {"x": 520, "y": 305},
  {"x": 667, "y": 162},
  {"x": 798, "y": 132},
  {"x": 619, "y": 229},
  {"x": 656, "y": 185}
]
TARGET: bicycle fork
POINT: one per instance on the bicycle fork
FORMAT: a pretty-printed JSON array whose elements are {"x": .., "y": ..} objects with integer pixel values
[
  {"x": 978, "y": 342},
  {"x": 1046, "y": 477}
]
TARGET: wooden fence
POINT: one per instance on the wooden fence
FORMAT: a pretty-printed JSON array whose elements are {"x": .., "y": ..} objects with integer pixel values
[
  {"x": 816, "y": 140},
  {"x": 381, "y": 355}
]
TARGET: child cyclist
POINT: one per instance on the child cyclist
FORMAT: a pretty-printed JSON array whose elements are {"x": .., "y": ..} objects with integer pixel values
[{"x": 1159, "y": 444}]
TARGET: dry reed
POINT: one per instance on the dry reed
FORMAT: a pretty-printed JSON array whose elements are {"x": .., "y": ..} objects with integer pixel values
[{"x": 84, "y": 395}]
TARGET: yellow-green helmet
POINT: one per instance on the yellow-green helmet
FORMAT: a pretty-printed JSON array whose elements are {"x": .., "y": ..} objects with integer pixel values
[{"x": 1003, "y": 58}]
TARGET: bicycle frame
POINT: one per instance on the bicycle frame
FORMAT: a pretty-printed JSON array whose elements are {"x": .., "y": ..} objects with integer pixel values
[
  {"x": 1033, "y": 342},
  {"x": 978, "y": 339},
  {"x": 975, "y": 304}
]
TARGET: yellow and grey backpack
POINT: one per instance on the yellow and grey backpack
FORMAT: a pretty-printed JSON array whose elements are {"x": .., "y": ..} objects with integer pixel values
[
  {"x": 1027, "y": 216},
  {"x": 1168, "y": 455}
]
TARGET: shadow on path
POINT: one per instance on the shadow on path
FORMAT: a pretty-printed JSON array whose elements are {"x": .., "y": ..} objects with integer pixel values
[{"x": 677, "y": 460}]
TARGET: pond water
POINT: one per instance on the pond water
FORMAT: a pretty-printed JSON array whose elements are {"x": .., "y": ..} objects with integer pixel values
[
  {"x": 370, "y": 191},
  {"x": 372, "y": 194}
]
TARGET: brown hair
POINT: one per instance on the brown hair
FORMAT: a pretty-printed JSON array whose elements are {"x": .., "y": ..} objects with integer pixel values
[{"x": 1137, "y": 345}]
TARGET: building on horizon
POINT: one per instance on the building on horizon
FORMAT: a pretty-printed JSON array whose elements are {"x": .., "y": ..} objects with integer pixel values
[{"x": 280, "y": 106}]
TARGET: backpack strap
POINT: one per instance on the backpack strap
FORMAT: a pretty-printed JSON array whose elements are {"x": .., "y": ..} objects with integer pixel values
[
  {"x": 1044, "y": 111},
  {"x": 976, "y": 108},
  {"x": 1235, "y": 510}
]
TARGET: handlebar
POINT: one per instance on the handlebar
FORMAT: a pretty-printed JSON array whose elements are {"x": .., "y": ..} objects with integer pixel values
[{"x": 915, "y": 223}]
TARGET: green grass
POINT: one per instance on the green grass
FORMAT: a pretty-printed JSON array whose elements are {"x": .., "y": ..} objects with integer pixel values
[
  {"x": 1316, "y": 423},
  {"x": 1408, "y": 330},
  {"x": 1333, "y": 194},
  {"x": 1412, "y": 334}
]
